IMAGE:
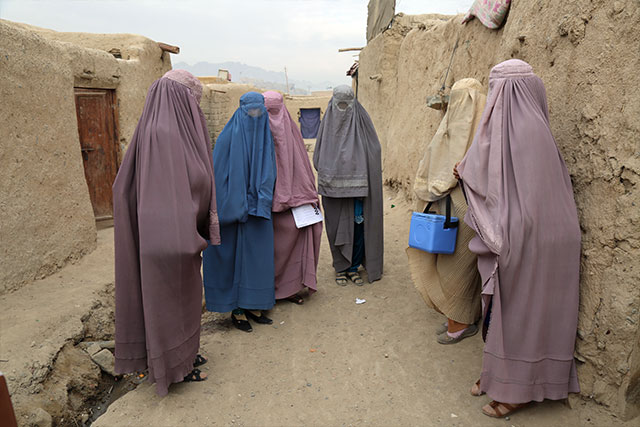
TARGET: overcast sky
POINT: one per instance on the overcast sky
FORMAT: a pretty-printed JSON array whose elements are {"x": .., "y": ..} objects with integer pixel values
[{"x": 304, "y": 35}]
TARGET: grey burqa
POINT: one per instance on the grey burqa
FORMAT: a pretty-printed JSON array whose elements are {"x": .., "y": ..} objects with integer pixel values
[{"x": 347, "y": 157}]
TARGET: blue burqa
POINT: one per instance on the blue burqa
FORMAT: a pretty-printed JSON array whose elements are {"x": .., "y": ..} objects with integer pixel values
[{"x": 240, "y": 272}]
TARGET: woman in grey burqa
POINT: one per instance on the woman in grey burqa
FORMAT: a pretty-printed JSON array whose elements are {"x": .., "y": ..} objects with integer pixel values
[
  {"x": 347, "y": 158},
  {"x": 164, "y": 212}
]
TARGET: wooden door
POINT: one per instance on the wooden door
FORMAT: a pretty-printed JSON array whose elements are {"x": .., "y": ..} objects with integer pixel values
[{"x": 97, "y": 127}]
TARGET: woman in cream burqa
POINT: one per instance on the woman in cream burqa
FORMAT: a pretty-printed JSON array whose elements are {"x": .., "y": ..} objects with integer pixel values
[
  {"x": 164, "y": 204},
  {"x": 528, "y": 245},
  {"x": 450, "y": 283},
  {"x": 347, "y": 158}
]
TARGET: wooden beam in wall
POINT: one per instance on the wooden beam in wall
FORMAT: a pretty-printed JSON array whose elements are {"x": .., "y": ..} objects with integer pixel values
[{"x": 169, "y": 48}]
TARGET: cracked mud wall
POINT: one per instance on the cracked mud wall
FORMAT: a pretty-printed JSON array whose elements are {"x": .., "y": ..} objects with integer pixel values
[
  {"x": 47, "y": 218},
  {"x": 588, "y": 55}
]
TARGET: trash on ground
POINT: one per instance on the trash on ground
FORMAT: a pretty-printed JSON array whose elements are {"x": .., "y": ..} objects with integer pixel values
[{"x": 360, "y": 301}]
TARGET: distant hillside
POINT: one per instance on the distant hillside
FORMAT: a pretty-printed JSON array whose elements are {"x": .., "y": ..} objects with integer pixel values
[{"x": 259, "y": 77}]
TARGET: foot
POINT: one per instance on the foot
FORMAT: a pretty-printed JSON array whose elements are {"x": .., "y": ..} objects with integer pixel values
[
  {"x": 500, "y": 410},
  {"x": 259, "y": 317},
  {"x": 240, "y": 322},
  {"x": 296, "y": 299},
  {"x": 199, "y": 361},
  {"x": 355, "y": 278},
  {"x": 446, "y": 338},
  {"x": 341, "y": 279},
  {"x": 195, "y": 376},
  {"x": 475, "y": 389}
]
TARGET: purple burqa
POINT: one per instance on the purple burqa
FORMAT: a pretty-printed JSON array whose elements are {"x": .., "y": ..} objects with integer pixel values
[
  {"x": 528, "y": 242},
  {"x": 164, "y": 212},
  {"x": 296, "y": 250}
]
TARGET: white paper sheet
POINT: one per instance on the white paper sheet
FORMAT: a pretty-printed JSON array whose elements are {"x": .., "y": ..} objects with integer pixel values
[{"x": 306, "y": 215}]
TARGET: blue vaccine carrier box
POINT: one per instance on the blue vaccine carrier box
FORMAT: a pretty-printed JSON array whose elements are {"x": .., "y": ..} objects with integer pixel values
[{"x": 434, "y": 233}]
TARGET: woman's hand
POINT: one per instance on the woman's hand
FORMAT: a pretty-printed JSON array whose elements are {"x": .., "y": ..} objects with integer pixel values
[{"x": 455, "y": 170}]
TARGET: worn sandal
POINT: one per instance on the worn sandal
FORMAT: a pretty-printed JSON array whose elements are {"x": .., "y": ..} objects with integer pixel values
[
  {"x": 494, "y": 409},
  {"x": 195, "y": 376},
  {"x": 442, "y": 328},
  {"x": 355, "y": 278},
  {"x": 475, "y": 389},
  {"x": 199, "y": 361},
  {"x": 470, "y": 331},
  {"x": 296, "y": 299},
  {"x": 341, "y": 279}
]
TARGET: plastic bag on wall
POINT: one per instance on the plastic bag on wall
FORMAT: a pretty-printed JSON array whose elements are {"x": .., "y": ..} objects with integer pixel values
[{"x": 490, "y": 12}]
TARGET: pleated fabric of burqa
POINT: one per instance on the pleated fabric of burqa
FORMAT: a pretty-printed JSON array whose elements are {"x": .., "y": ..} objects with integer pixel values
[
  {"x": 240, "y": 272},
  {"x": 522, "y": 209},
  {"x": 296, "y": 249},
  {"x": 449, "y": 283},
  {"x": 164, "y": 206},
  {"x": 348, "y": 160}
]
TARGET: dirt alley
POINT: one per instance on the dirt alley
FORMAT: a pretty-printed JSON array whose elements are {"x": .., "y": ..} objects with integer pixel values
[
  {"x": 328, "y": 362},
  {"x": 332, "y": 362}
]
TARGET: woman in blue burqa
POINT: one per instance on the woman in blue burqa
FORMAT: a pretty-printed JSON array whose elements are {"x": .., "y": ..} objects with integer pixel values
[
  {"x": 348, "y": 160},
  {"x": 239, "y": 274}
]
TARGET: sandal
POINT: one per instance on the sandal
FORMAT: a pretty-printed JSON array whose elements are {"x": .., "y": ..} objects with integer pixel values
[
  {"x": 199, "y": 361},
  {"x": 475, "y": 389},
  {"x": 493, "y": 409},
  {"x": 296, "y": 299},
  {"x": 341, "y": 279},
  {"x": 262, "y": 319},
  {"x": 355, "y": 278},
  {"x": 195, "y": 376}
]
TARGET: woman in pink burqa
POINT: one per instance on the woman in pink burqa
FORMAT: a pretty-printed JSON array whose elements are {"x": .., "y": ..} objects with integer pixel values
[
  {"x": 528, "y": 245},
  {"x": 164, "y": 213},
  {"x": 296, "y": 249}
]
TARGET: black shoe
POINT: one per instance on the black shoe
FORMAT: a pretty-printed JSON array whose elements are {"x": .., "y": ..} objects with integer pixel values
[
  {"x": 200, "y": 360},
  {"x": 243, "y": 325},
  {"x": 195, "y": 376},
  {"x": 262, "y": 319}
]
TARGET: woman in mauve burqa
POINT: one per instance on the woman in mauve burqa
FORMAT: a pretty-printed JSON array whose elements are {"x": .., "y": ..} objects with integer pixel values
[
  {"x": 296, "y": 249},
  {"x": 238, "y": 274},
  {"x": 528, "y": 245},
  {"x": 164, "y": 213},
  {"x": 348, "y": 160}
]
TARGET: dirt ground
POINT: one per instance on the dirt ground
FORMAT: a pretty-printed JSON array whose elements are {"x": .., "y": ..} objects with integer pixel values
[
  {"x": 328, "y": 362},
  {"x": 332, "y": 362}
]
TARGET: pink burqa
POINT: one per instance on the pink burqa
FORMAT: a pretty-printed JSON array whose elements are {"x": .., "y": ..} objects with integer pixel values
[
  {"x": 528, "y": 242},
  {"x": 296, "y": 250},
  {"x": 164, "y": 211}
]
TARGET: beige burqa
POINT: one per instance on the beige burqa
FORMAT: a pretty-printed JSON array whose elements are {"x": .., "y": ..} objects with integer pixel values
[{"x": 449, "y": 283}]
